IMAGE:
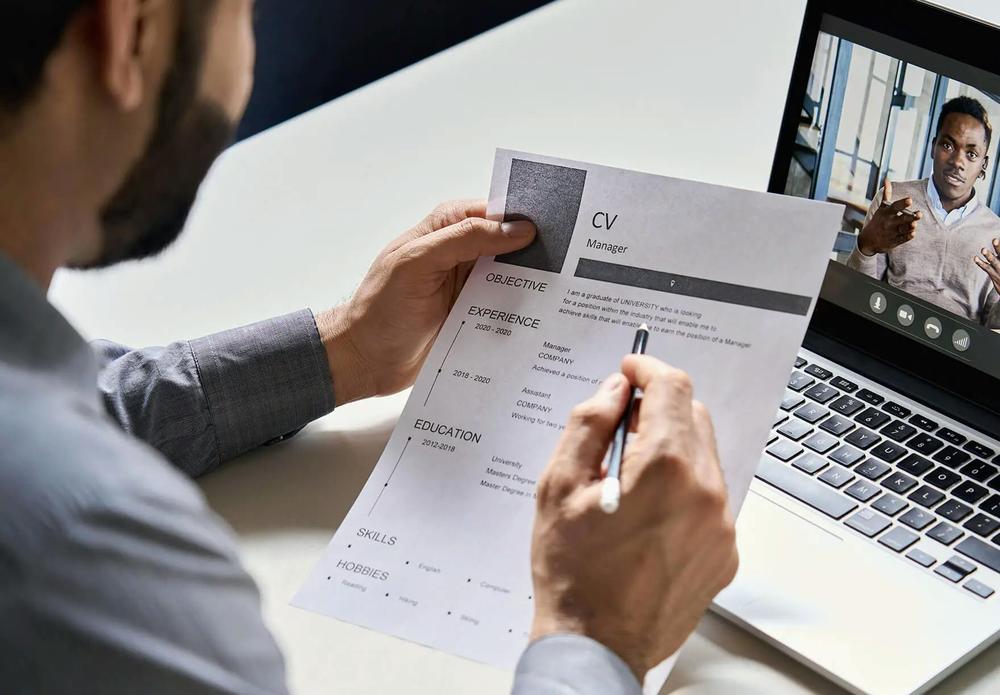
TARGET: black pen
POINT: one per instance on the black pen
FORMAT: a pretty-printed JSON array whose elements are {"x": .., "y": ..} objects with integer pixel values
[{"x": 611, "y": 490}]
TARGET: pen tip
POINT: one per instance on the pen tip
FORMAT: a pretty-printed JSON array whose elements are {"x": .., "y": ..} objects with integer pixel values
[{"x": 644, "y": 327}]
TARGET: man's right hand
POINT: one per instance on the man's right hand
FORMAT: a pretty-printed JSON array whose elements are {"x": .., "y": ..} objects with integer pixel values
[
  {"x": 638, "y": 580},
  {"x": 890, "y": 226}
]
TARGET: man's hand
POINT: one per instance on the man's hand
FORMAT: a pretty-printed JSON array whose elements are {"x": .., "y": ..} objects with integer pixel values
[
  {"x": 989, "y": 263},
  {"x": 890, "y": 226},
  {"x": 638, "y": 580},
  {"x": 377, "y": 341}
]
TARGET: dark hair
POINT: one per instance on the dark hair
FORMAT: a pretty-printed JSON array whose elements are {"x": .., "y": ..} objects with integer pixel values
[
  {"x": 29, "y": 31},
  {"x": 969, "y": 107}
]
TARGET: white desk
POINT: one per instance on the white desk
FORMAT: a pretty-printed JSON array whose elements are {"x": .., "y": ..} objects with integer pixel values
[{"x": 292, "y": 217}]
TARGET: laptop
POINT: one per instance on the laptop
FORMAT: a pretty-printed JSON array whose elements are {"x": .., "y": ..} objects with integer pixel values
[{"x": 870, "y": 539}]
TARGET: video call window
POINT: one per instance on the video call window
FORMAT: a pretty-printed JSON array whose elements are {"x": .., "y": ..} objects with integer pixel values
[{"x": 867, "y": 117}]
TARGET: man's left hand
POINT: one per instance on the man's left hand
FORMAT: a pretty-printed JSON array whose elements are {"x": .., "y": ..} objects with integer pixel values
[
  {"x": 989, "y": 262},
  {"x": 377, "y": 341}
]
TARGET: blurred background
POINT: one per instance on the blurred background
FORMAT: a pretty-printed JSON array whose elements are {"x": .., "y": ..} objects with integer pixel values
[
  {"x": 866, "y": 116},
  {"x": 311, "y": 51}
]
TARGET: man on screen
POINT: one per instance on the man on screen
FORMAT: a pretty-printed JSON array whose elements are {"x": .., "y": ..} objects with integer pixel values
[{"x": 937, "y": 240}]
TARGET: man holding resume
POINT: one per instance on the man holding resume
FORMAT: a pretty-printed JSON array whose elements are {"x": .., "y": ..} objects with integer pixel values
[{"x": 115, "y": 575}]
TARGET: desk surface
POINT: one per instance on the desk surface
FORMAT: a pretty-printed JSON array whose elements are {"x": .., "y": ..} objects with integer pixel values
[{"x": 292, "y": 217}]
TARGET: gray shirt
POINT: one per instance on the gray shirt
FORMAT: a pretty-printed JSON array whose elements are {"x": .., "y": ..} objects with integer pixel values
[{"x": 115, "y": 576}]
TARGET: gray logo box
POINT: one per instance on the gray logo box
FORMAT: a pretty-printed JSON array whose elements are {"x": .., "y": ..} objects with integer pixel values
[{"x": 549, "y": 196}]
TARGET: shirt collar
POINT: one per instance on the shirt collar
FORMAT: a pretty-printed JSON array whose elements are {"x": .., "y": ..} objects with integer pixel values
[
  {"x": 35, "y": 337},
  {"x": 943, "y": 216}
]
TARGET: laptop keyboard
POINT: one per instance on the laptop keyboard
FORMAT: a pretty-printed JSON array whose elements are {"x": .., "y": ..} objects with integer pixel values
[{"x": 891, "y": 474}]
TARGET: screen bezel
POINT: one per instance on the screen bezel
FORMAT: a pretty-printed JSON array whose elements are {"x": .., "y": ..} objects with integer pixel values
[{"x": 927, "y": 26}]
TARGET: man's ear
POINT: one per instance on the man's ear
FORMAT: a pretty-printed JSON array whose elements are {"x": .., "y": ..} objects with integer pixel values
[
  {"x": 120, "y": 30},
  {"x": 986, "y": 164}
]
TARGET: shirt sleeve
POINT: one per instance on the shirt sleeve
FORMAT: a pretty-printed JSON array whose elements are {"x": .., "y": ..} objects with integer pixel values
[
  {"x": 873, "y": 266},
  {"x": 205, "y": 401},
  {"x": 134, "y": 591},
  {"x": 572, "y": 665}
]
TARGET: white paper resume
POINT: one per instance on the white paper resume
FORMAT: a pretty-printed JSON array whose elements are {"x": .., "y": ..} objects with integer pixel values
[{"x": 435, "y": 549}]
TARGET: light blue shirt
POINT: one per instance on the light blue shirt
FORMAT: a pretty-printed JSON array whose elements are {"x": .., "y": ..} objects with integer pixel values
[{"x": 943, "y": 216}]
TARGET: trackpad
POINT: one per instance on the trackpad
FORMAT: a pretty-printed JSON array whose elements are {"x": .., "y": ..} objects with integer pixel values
[{"x": 840, "y": 602}]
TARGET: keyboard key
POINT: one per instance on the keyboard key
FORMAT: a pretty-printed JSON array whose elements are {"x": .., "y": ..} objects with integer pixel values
[
  {"x": 822, "y": 393},
  {"x": 949, "y": 573},
  {"x": 862, "y": 490},
  {"x": 945, "y": 534},
  {"x": 870, "y": 397},
  {"x": 873, "y": 418},
  {"x": 942, "y": 478},
  {"x": 896, "y": 409},
  {"x": 890, "y": 504},
  {"x": 809, "y": 462},
  {"x": 784, "y": 450},
  {"x": 954, "y": 510},
  {"x": 926, "y": 424},
  {"x": 872, "y": 469},
  {"x": 844, "y": 385},
  {"x": 818, "y": 372},
  {"x": 925, "y": 444},
  {"x": 951, "y": 457},
  {"x": 846, "y": 405},
  {"x": 921, "y": 558},
  {"x": 812, "y": 412},
  {"x": 792, "y": 401},
  {"x": 837, "y": 424},
  {"x": 868, "y": 522},
  {"x": 804, "y": 489},
  {"x": 982, "y": 525},
  {"x": 898, "y": 431},
  {"x": 899, "y": 482},
  {"x": 994, "y": 483},
  {"x": 821, "y": 442},
  {"x": 917, "y": 519},
  {"x": 899, "y": 539},
  {"x": 887, "y": 451},
  {"x": 981, "y": 552},
  {"x": 951, "y": 436},
  {"x": 978, "y": 588},
  {"x": 862, "y": 438},
  {"x": 800, "y": 363},
  {"x": 915, "y": 465},
  {"x": 970, "y": 492},
  {"x": 962, "y": 565},
  {"x": 795, "y": 429},
  {"x": 978, "y": 449},
  {"x": 798, "y": 381},
  {"x": 836, "y": 476},
  {"x": 926, "y": 496},
  {"x": 847, "y": 455},
  {"x": 991, "y": 505},
  {"x": 978, "y": 470}
]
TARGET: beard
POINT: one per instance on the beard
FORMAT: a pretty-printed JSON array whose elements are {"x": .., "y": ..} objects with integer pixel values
[{"x": 149, "y": 210}]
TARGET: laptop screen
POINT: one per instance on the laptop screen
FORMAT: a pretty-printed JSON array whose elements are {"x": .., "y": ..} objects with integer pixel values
[{"x": 902, "y": 137}]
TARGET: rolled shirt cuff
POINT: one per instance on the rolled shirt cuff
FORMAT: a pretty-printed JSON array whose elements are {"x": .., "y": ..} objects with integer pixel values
[
  {"x": 263, "y": 381},
  {"x": 569, "y": 664}
]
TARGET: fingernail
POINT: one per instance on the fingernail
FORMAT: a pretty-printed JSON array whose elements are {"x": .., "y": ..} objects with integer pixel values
[
  {"x": 612, "y": 383},
  {"x": 520, "y": 228}
]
